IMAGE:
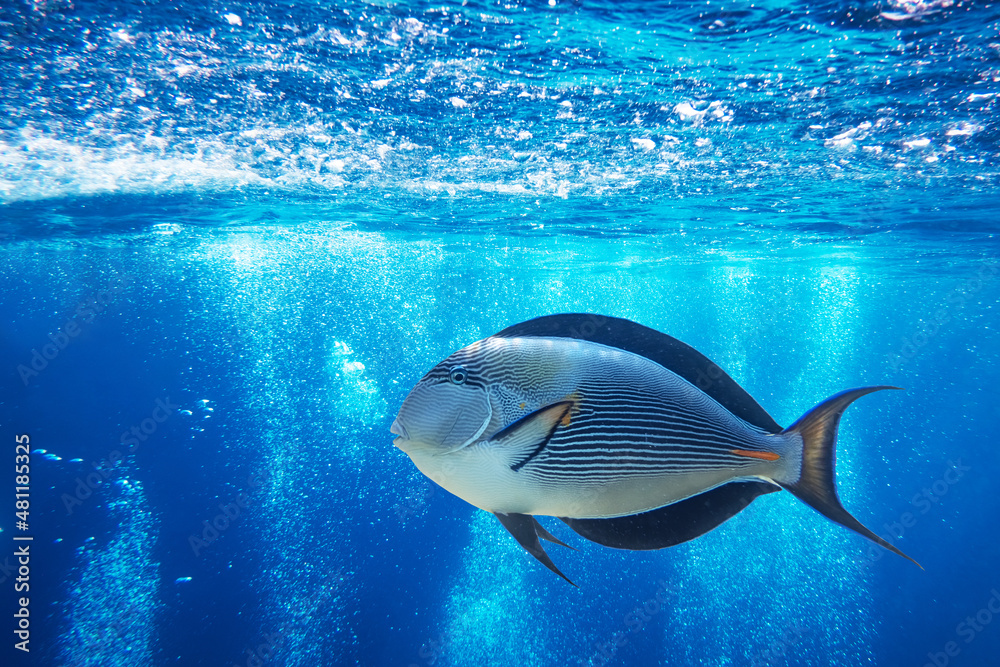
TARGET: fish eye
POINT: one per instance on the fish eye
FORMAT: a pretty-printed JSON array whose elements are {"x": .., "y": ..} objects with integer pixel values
[{"x": 458, "y": 375}]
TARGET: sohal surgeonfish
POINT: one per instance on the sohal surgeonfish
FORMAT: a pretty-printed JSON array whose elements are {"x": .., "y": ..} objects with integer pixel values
[{"x": 632, "y": 438}]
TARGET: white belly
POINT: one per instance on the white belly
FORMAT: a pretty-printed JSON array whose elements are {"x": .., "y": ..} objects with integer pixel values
[{"x": 481, "y": 476}]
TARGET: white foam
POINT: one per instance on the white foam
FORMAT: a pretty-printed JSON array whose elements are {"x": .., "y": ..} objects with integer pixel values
[
  {"x": 845, "y": 140},
  {"x": 44, "y": 167}
]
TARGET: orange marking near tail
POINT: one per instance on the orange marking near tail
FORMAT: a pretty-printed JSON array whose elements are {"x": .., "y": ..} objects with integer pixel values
[{"x": 764, "y": 456}]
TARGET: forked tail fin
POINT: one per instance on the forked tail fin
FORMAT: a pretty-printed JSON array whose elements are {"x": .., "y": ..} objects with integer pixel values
[{"x": 815, "y": 485}]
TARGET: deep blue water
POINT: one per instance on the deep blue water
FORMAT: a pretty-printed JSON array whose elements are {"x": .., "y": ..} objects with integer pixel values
[{"x": 234, "y": 235}]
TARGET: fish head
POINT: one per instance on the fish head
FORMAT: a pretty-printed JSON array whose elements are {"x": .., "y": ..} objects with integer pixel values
[{"x": 448, "y": 410}]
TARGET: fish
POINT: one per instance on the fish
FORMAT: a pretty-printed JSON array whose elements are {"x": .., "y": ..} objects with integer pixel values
[{"x": 632, "y": 438}]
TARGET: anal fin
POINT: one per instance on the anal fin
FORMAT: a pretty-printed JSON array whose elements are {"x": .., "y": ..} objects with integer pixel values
[
  {"x": 525, "y": 528},
  {"x": 673, "y": 524},
  {"x": 546, "y": 535}
]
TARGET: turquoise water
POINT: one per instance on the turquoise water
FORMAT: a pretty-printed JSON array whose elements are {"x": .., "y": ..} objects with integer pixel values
[{"x": 265, "y": 222}]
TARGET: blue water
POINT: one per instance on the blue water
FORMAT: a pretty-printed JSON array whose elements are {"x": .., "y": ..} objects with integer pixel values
[{"x": 234, "y": 235}]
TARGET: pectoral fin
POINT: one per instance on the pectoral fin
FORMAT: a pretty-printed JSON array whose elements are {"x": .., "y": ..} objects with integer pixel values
[
  {"x": 528, "y": 436},
  {"x": 525, "y": 529}
]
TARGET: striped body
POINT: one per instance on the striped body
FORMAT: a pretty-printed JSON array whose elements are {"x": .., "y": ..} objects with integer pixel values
[{"x": 634, "y": 436}]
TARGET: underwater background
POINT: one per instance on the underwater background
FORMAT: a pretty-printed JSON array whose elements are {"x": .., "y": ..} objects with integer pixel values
[{"x": 233, "y": 235}]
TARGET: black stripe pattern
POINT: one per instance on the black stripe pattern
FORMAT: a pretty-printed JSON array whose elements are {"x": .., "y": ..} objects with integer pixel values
[{"x": 632, "y": 417}]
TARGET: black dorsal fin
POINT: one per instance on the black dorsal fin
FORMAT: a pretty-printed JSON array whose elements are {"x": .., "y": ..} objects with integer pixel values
[
  {"x": 665, "y": 350},
  {"x": 674, "y": 524}
]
